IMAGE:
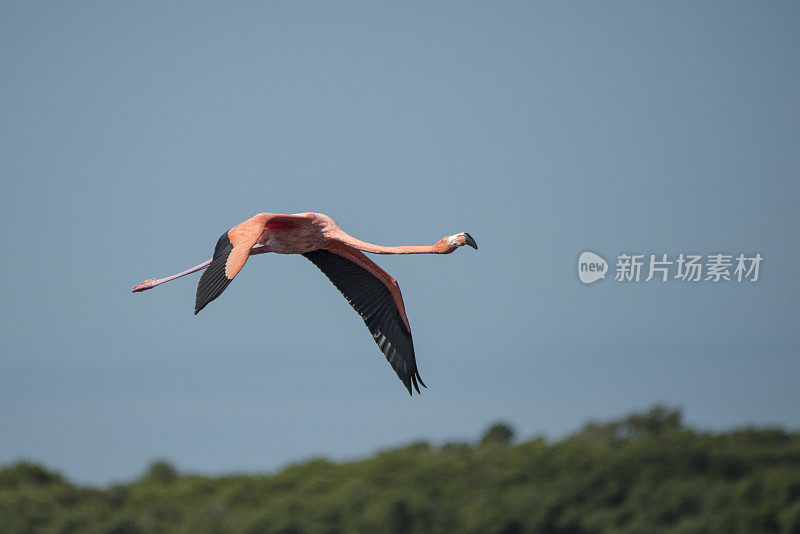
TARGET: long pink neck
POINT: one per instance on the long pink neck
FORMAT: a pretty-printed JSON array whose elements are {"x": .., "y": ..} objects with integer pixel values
[{"x": 438, "y": 248}]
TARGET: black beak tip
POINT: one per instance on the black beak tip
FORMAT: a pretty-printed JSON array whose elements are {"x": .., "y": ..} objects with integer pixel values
[{"x": 470, "y": 241}]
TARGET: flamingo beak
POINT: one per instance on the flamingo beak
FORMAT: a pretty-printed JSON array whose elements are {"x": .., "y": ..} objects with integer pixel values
[{"x": 468, "y": 240}]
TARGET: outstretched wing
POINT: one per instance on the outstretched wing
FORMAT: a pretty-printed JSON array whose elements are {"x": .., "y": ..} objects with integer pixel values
[
  {"x": 230, "y": 255},
  {"x": 377, "y": 299},
  {"x": 214, "y": 281}
]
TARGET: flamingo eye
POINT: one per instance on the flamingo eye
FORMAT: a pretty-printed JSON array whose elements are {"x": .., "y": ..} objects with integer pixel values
[{"x": 453, "y": 240}]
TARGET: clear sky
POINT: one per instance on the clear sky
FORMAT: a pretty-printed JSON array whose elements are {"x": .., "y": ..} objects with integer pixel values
[{"x": 133, "y": 135}]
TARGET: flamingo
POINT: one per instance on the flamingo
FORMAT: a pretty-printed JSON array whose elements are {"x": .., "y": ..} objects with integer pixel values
[{"x": 370, "y": 290}]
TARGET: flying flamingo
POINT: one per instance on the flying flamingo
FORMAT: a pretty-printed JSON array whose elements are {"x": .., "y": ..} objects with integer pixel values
[{"x": 370, "y": 290}]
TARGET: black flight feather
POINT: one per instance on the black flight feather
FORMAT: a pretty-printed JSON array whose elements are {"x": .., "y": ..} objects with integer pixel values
[
  {"x": 213, "y": 282},
  {"x": 374, "y": 303}
]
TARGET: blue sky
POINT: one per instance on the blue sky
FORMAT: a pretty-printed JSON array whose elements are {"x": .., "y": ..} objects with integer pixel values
[{"x": 134, "y": 135}]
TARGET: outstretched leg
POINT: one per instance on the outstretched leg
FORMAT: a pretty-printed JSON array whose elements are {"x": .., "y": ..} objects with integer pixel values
[{"x": 153, "y": 282}]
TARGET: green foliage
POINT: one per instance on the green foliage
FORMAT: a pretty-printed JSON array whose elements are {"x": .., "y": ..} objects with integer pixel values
[
  {"x": 160, "y": 471},
  {"x": 26, "y": 473},
  {"x": 498, "y": 433},
  {"x": 644, "y": 473}
]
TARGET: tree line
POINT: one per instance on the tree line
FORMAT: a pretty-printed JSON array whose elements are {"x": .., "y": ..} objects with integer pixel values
[{"x": 645, "y": 473}]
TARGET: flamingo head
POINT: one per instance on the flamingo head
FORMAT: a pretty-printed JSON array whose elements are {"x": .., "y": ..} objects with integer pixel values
[{"x": 459, "y": 240}]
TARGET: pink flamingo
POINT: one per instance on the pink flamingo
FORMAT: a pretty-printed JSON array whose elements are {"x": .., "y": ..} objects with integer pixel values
[{"x": 370, "y": 290}]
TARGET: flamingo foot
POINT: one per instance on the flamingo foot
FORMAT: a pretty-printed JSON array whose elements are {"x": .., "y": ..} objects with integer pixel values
[{"x": 147, "y": 284}]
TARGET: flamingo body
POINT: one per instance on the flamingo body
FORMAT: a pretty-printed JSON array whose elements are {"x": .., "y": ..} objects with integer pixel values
[{"x": 370, "y": 290}]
